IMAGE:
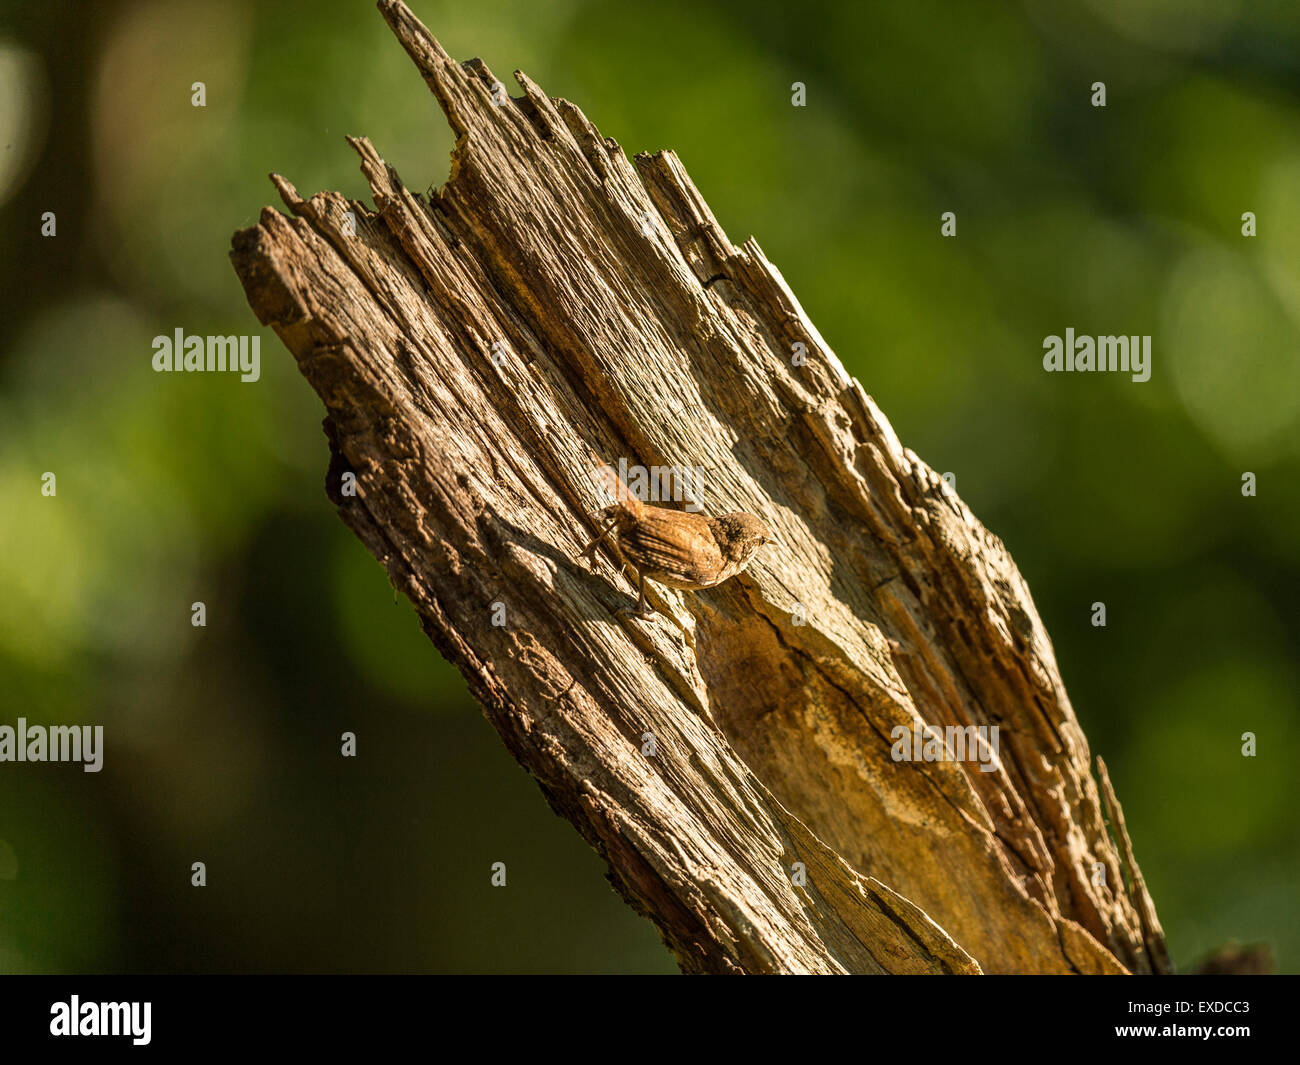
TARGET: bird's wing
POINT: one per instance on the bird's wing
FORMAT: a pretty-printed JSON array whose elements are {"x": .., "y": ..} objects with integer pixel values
[{"x": 673, "y": 544}]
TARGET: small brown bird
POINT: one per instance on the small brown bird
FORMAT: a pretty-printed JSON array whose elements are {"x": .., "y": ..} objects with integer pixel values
[{"x": 678, "y": 548}]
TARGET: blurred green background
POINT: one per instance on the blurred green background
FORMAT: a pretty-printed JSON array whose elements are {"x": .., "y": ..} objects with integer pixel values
[{"x": 223, "y": 742}]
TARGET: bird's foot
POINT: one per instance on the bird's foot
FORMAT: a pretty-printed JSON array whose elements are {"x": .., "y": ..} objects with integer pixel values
[{"x": 642, "y": 611}]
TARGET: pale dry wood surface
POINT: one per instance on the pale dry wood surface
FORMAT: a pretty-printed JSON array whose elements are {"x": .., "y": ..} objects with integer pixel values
[{"x": 627, "y": 324}]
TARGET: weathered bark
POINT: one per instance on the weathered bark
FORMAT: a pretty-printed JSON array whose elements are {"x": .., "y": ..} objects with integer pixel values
[{"x": 555, "y": 305}]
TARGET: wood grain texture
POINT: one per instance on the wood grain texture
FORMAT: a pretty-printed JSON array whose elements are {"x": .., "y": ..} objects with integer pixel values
[{"x": 628, "y": 325}]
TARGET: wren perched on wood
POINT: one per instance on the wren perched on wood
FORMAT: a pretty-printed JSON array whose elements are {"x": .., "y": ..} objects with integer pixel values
[{"x": 678, "y": 548}]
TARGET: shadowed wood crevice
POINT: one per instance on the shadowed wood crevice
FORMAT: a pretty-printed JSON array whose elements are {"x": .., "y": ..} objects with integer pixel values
[{"x": 554, "y": 306}]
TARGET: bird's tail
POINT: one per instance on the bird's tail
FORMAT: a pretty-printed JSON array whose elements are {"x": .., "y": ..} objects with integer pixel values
[{"x": 617, "y": 490}]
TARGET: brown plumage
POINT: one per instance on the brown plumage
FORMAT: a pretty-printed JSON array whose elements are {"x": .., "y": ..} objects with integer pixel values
[{"x": 678, "y": 548}]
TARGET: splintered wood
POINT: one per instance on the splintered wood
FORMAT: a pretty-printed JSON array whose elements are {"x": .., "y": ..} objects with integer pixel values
[{"x": 737, "y": 758}]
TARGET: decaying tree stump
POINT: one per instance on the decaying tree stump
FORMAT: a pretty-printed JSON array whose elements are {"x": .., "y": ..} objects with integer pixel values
[{"x": 554, "y": 306}]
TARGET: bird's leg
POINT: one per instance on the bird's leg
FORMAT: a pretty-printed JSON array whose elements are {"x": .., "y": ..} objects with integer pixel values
[
  {"x": 589, "y": 552},
  {"x": 643, "y": 609}
]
